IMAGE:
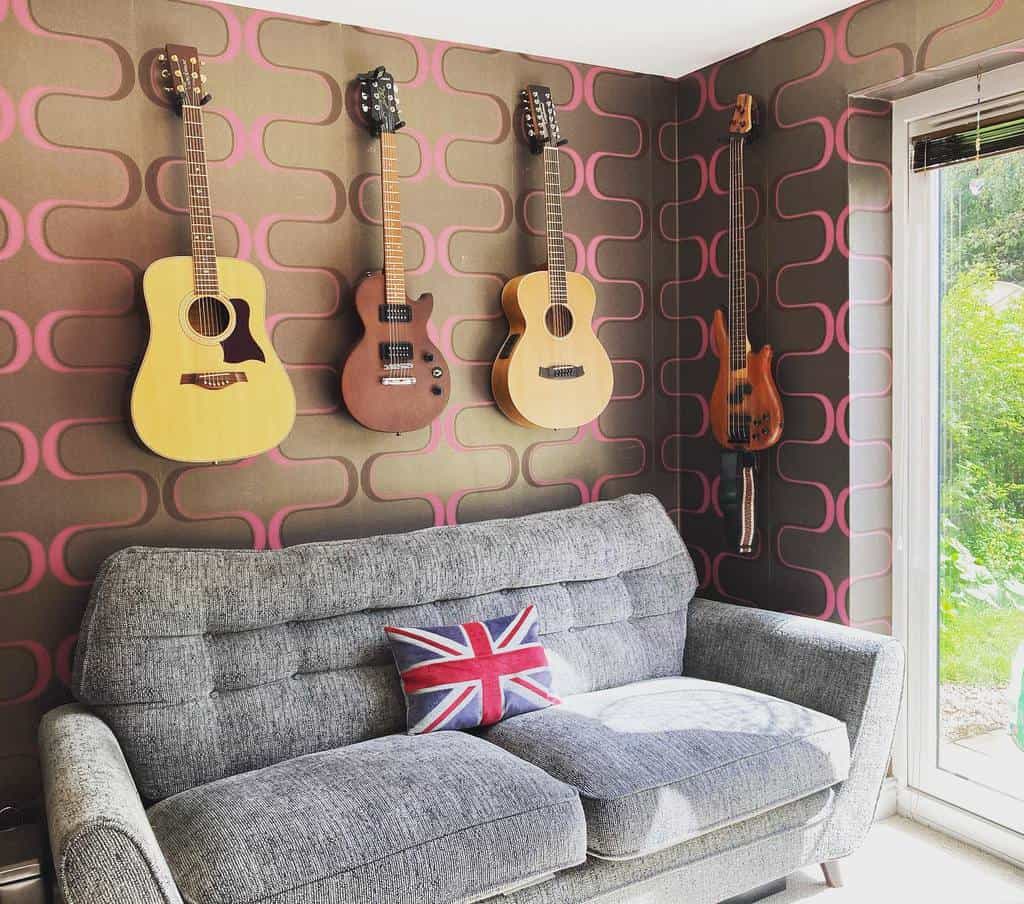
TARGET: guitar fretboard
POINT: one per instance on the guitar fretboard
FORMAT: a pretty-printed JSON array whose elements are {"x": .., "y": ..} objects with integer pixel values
[
  {"x": 737, "y": 258},
  {"x": 204, "y": 252},
  {"x": 394, "y": 255},
  {"x": 553, "y": 221}
]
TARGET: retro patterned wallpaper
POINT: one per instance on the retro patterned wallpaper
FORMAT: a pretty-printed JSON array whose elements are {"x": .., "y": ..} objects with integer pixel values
[
  {"x": 818, "y": 200},
  {"x": 91, "y": 191}
]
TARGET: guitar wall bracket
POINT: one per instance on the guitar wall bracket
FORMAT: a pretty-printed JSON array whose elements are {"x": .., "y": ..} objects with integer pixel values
[{"x": 206, "y": 99}]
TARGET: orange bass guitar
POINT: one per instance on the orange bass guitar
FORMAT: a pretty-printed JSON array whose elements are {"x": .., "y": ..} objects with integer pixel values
[{"x": 746, "y": 411}]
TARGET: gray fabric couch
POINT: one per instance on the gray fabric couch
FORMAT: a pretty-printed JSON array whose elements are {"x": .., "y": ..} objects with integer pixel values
[{"x": 239, "y": 731}]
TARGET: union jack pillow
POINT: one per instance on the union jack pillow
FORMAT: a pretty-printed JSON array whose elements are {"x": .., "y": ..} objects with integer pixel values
[{"x": 461, "y": 676}]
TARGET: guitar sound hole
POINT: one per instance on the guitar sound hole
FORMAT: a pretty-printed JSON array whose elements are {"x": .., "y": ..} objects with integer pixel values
[
  {"x": 208, "y": 316},
  {"x": 558, "y": 320}
]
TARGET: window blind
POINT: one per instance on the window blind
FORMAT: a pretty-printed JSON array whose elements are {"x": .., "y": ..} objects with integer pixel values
[{"x": 958, "y": 144}]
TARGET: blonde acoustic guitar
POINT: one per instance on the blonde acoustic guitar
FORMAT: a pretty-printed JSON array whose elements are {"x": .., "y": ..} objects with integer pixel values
[
  {"x": 210, "y": 387},
  {"x": 552, "y": 370}
]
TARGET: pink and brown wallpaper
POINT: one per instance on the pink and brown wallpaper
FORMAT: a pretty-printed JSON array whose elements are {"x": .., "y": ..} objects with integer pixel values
[
  {"x": 820, "y": 284},
  {"x": 91, "y": 191}
]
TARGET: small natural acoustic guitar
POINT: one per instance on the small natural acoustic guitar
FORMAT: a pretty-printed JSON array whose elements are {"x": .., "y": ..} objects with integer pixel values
[
  {"x": 395, "y": 379},
  {"x": 746, "y": 411},
  {"x": 210, "y": 387},
  {"x": 552, "y": 370}
]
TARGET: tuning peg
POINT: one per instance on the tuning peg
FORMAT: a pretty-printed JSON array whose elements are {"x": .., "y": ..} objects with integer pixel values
[
  {"x": 161, "y": 57},
  {"x": 193, "y": 61},
  {"x": 164, "y": 73},
  {"x": 202, "y": 78},
  {"x": 177, "y": 73},
  {"x": 180, "y": 89},
  {"x": 174, "y": 58},
  {"x": 366, "y": 109}
]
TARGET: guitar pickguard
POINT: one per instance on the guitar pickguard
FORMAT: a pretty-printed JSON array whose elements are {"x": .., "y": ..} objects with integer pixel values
[{"x": 240, "y": 346}]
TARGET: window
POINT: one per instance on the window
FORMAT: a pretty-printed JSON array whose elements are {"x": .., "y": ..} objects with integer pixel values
[{"x": 959, "y": 454}]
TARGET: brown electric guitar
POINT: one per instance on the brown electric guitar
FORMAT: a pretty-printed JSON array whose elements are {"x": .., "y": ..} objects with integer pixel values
[
  {"x": 746, "y": 411},
  {"x": 552, "y": 370},
  {"x": 395, "y": 379}
]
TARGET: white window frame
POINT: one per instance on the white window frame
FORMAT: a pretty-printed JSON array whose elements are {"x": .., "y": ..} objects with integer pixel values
[{"x": 926, "y": 793}]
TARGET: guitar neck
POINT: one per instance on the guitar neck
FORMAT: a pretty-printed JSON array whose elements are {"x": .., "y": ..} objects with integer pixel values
[
  {"x": 553, "y": 220},
  {"x": 737, "y": 258},
  {"x": 204, "y": 252},
  {"x": 394, "y": 254}
]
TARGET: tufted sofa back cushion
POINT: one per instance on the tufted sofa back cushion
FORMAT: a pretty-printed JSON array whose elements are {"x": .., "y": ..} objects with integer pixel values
[{"x": 207, "y": 663}]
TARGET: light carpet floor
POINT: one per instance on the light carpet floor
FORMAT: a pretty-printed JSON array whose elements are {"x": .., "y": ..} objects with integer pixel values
[{"x": 903, "y": 862}]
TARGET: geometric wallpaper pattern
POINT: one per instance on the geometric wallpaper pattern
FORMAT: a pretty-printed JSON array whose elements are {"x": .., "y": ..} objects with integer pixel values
[
  {"x": 99, "y": 194},
  {"x": 818, "y": 201},
  {"x": 92, "y": 191}
]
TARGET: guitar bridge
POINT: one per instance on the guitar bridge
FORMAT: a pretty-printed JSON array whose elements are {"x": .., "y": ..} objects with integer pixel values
[
  {"x": 398, "y": 381},
  {"x": 561, "y": 371},
  {"x": 215, "y": 379}
]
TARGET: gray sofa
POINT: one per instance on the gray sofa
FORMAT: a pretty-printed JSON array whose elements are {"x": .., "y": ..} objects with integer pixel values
[{"x": 239, "y": 731}]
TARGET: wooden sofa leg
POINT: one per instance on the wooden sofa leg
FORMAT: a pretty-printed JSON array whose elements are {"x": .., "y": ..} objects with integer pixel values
[{"x": 833, "y": 873}]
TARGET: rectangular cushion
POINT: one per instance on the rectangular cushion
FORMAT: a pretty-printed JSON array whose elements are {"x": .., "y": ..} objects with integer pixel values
[
  {"x": 424, "y": 819},
  {"x": 659, "y": 762}
]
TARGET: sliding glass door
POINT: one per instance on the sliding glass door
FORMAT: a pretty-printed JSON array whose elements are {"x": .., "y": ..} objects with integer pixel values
[
  {"x": 959, "y": 462},
  {"x": 981, "y": 472}
]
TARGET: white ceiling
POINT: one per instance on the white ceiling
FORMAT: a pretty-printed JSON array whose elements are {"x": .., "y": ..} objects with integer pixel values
[{"x": 665, "y": 38}]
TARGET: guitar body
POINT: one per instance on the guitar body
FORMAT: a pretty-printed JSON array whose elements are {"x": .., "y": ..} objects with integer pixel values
[
  {"x": 755, "y": 396},
  {"x": 395, "y": 407},
  {"x": 203, "y": 398},
  {"x": 526, "y": 389}
]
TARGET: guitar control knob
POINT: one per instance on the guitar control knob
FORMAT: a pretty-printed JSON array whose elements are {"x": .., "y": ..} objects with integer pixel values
[
  {"x": 428, "y": 357},
  {"x": 436, "y": 390},
  {"x": 437, "y": 373}
]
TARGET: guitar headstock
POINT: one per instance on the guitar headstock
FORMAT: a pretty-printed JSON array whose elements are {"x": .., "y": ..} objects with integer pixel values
[
  {"x": 541, "y": 119},
  {"x": 183, "y": 76},
  {"x": 378, "y": 100},
  {"x": 744, "y": 115}
]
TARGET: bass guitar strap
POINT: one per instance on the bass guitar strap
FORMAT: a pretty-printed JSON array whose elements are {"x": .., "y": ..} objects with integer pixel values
[{"x": 737, "y": 496}]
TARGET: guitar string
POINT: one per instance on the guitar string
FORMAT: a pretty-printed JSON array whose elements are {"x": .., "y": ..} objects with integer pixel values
[
  {"x": 387, "y": 251},
  {"x": 189, "y": 164},
  {"x": 731, "y": 383},
  {"x": 741, "y": 290},
  {"x": 204, "y": 252},
  {"x": 737, "y": 295},
  {"x": 557, "y": 288},
  {"x": 394, "y": 253}
]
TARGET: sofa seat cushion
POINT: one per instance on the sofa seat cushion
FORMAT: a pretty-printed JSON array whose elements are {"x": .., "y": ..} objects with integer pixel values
[
  {"x": 659, "y": 762},
  {"x": 430, "y": 818}
]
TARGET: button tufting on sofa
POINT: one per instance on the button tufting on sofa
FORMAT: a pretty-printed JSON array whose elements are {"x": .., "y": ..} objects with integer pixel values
[{"x": 718, "y": 734}]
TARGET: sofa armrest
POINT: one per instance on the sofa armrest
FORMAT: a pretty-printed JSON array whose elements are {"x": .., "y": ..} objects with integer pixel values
[
  {"x": 104, "y": 850},
  {"x": 852, "y": 675}
]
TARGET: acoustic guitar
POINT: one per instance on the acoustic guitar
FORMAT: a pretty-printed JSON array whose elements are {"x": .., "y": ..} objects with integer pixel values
[
  {"x": 552, "y": 370},
  {"x": 210, "y": 387},
  {"x": 746, "y": 411},
  {"x": 395, "y": 379}
]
